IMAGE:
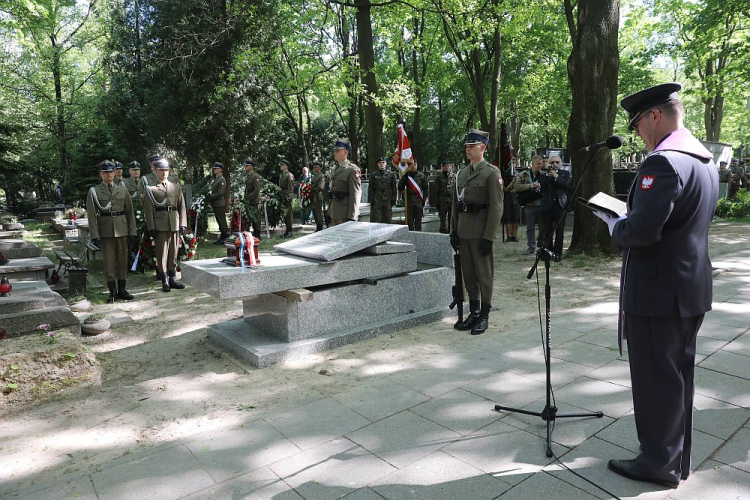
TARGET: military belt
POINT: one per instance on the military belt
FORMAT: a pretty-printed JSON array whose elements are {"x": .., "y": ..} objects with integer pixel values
[
  {"x": 112, "y": 214},
  {"x": 472, "y": 207},
  {"x": 165, "y": 209},
  {"x": 339, "y": 195}
]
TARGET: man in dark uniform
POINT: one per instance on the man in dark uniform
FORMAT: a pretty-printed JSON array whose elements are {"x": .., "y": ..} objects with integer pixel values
[
  {"x": 475, "y": 218},
  {"x": 218, "y": 202},
  {"x": 252, "y": 194},
  {"x": 111, "y": 222},
  {"x": 443, "y": 196},
  {"x": 554, "y": 184},
  {"x": 382, "y": 193},
  {"x": 131, "y": 183},
  {"x": 164, "y": 208},
  {"x": 345, "y": 185},
  {"x": 286, "y": 183},
  {"x": 318, "y": 194},
  {"x": 666, "y": 282},
  {"x": 414, "y": 187}
]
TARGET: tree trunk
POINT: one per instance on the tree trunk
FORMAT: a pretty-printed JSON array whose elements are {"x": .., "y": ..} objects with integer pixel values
[
  {"x": 373, "y": 117},
  {"x": 713, "y": 114},
  {"x": 60, "y": 110},
  {"x": 593, "y": 67},
  {"x": 497, "y": 59}
]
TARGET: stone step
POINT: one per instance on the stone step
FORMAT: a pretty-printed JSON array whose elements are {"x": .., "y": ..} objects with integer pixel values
[
  {"x": 10, "y": 234},
  {"x": 16, "y": 304},
  {"x": 35, "y": 269},
  {"x": 26, "y": 252},
  {"x": 26, "y": 322},
  {"x": 8, "y": 243}
]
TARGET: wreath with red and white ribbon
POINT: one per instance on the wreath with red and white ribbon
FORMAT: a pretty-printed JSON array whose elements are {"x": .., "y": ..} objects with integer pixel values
[{"x": 305, "y": 193}]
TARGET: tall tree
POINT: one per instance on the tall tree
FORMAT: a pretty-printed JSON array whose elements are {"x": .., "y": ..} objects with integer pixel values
[{"x": 592, "y": 70}]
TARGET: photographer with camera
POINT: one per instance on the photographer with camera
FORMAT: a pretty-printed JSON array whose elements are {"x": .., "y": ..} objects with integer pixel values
[
  {"x": 554, "y": 183},
  {"x": 529, "y": 192}
]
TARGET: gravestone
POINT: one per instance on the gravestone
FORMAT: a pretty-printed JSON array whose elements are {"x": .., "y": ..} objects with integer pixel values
[
  {"x": 32, "y": 303},
  {"x": 35, "y": 269},
  {"x": 340, "y": 241},
  {"x": 389, "y": 247},
  {"x": 18, "y": 249}
]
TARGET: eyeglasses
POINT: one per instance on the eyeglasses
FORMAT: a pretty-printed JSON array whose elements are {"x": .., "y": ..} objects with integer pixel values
[{"x": 555, "y": 162}]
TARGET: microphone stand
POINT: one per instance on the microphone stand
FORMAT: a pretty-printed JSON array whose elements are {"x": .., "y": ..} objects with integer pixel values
[{"x": 549, "y": 413}]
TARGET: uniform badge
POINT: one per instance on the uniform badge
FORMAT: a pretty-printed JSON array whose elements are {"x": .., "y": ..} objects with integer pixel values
[
  {"x": 356, "y": 174},
  {"x": 500, "y": 181},
  {"x": 647, "y": 182}
]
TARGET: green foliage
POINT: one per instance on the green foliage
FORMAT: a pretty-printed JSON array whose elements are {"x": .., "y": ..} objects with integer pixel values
[{"x": 737, "y": 207}]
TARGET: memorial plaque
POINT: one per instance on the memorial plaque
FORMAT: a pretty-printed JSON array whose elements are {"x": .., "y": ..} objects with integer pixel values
[
  {"x": 71, "y": 233},
  {"x": 342, "y": 240}
]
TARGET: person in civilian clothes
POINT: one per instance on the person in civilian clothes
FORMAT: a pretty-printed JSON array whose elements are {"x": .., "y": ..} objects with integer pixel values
[
  {"x": 286, "y": 183},
  {"x": 554, "y": 185},
  {"x": 475, "y": 218},
  {"x": 666, "y": 282},
  {"x": 318, "y": 193},
  {"x": 164, "y": 209}
]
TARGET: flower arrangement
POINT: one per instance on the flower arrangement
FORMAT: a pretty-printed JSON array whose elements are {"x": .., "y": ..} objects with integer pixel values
[
  {"x": 197, "y": 216},
  {"x": 75, "y": 213},
  {"x": 305, "y": 193},
  {"x": 274, "y": 198},
  {"x": 47, "y": 333}
]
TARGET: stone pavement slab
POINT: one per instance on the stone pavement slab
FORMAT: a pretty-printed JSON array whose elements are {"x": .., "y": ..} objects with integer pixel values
[
  {"x": 723, "y": 387},
  {"x": 544, "y": 485},
  {"x": 166, "y": 475},
  {"x": 363, "y": 494},
  {"x": 229, "y": 454},
  {"x": 740, "y": 345},
  {"x": 460, "y": 411},
  {"x": 439, "y": 476},
  {"x": 717, "y": 418},
  {"x": 735, "y": 451},
  {"x": 403, "y": 438},
  {"x": 616, "y": 372},
  {"x": 79, "y": 488},
  {"x": 508, "y": 389},
  {"x": 714, "y": 481},
  {"x": 379, "y": 398},
  {"x": 729, "y": 363},
  {"x": 503, "y": 451},
  {"x": 594, "y": 395},
  {"x": 433, "y": 382},
  {"x": 561, "y": 372},
  {"x": 719, "y": 331},
  {"x": 317, "y": 422},
  {"x": 331, "y": 470},
  {"x": 258, "y": 484}
]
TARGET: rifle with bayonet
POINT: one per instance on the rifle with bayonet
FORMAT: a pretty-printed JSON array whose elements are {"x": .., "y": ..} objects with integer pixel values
[{"x": 458, "y": 285}]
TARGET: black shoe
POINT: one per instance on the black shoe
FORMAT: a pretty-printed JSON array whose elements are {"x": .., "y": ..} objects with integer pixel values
[
  {"x": 631, "y": 470},
  {"x": 121, "y": 292},
  {"x": 173, "y": 283},
  {"x": 484, "y": 320},
  {"x": 530, "y": 251},
  {"x": 514, "y": 239},
  {"x": 470, "y": 320},
  {"x": 159, "y": 275},
  {"x": 286, "y": 235},
  {"x": 318, "y": 227},
  {"x": 444, "y": 231},
  {"x": 112, "y": 292},
  {"x": 558, "y": 257},
  {"x": 165, "y": 285}
]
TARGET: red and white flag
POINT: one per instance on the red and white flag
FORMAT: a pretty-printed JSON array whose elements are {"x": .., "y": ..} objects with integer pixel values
[
  {"x": 416, "y": 188},
  {"x": 403, "y": 150}
]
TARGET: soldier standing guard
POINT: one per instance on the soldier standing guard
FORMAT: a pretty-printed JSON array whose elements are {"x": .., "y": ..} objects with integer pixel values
[
  {"x": 476, "y": 213},
  {"x": 164, "y": 208},
  {"x": 345, "y": 185},
  {"x": 443, "y": 197},
  {"x": 318, "y": 193},
  {"x": 252, "y": 194},
  {"x": 218, "y": 203},
  {"x": 286, "y": 183},
  {"x": 119, "y": 181},
  {"x": 382, "y": 193},
  {"x": 131, "y": 183},
  {"x": 110, "y": 212},
  {"x": 150, "y": 178},
  {"x": 415, "y": 184}
]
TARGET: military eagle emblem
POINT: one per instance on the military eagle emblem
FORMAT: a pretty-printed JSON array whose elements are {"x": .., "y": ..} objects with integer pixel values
[{"x": 647, "y": 182}]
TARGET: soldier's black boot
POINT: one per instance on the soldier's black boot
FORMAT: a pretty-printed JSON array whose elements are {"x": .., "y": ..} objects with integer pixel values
[
  {"x": 318, "y": 227},
  {"x": 484, "y": 320},
  {"x": 159, "y": 275},
  {"x": 121, "y": 292},
  {"x": 470, "y": 320},
  {"x": 173, "y": 283},
  {"x": 112, "y": 292},
  {"x": 165, "y": 285}
]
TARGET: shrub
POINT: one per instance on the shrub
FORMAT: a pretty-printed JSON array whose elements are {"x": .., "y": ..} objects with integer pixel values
[{"x": 739, "y": 206}]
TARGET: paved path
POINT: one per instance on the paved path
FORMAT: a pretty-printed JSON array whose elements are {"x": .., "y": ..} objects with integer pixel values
[{"x": 431, "y": 432}]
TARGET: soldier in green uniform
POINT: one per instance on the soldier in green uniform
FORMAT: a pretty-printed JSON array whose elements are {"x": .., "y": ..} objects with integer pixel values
[
  {"x": 286, "y": 183},
  {"x": 131, "y": 183},
  {"x": 476, "y": 214},
  {"x": 111, "y": 224},
  {"x": 150, "y": 179},
  {"x": 318, "y": 194},
  {"x": 218, "y": 203},
  {"x": 443, "y": 196},
  {"x": 173, "y": 177},
  {"x": 738, "y": 179},
  {"x": 252, "y": 195},
  {"x": 164, "y": 208},
  {"x": 119, "y": 181},
  {"x": 382, "y": 193},
  {"x": 345, "y": 185},
  {"x": 414, "y": 183}
]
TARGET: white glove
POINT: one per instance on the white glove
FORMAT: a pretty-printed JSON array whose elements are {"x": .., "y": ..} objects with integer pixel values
[{"x": 610, "y": 220}]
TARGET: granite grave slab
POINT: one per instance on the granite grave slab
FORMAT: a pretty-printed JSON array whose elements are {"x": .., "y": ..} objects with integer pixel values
[
  {"x": 432, "y": 248},
  {"x": 35, "y": 268},
  {"x": 10, "y": 234},
  {"x": 389, "y": 247},
  {"x": 19, "y": 249},
  {"x": 281, "y": 272},
  {"x": 340, "y": 241},
  {"x": 33, "y": 303}
]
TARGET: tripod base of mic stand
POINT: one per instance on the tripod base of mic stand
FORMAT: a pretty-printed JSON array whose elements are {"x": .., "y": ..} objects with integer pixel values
[{"x": 549, "y": 414}]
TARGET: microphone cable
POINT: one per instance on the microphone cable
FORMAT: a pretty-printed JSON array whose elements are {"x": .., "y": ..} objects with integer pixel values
[{"x": 548, "y": 359}]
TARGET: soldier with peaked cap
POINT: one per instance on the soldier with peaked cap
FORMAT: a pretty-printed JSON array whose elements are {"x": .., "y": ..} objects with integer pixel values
[
  {"x": 737, "y": 178},
  {"x": 131, "y": 183},
  {"x": 318, "y": 193},
  {"x": 150, "y": 178},
  {"x": 111, "y": 224},
  {"x": 414, "y": 186},
  {"x": 252, "y": 194},
  {"x": 286, "y": 183},
  {"x": 164, "y": 208},
  {"x": 345, "y": 185},
  {"x": 382, "y": 193},
  {"x": 443, "y": 196},
  {"x": 118, "y": 174},
  {"x": 666, "y": 285},
  {"x": 475, "y": 218},
  {"x": 218, "y": 202}
]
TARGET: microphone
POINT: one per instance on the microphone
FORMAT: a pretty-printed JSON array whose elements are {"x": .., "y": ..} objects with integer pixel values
[{"x": 612, "y": 142}]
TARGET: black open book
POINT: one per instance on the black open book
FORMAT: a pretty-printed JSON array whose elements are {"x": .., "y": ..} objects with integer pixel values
[{"x": 605, "y": 203}]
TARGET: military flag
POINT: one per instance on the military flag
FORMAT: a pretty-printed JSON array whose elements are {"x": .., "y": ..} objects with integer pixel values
[{"x": 402, "y": 155}]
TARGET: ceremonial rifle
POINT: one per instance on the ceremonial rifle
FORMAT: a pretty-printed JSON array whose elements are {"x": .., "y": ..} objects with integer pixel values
[{"x": 458, "y": 286}]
